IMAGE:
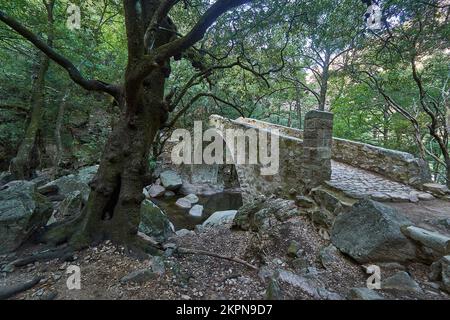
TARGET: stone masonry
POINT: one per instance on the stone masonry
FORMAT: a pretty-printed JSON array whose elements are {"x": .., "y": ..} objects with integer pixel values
[{"x": 317, "y": 141}]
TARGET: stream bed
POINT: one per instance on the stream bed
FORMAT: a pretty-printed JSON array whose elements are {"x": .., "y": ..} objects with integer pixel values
[{"x": 226, "y": 200}]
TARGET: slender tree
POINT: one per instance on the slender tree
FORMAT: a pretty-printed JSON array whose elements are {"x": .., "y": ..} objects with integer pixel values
[{"x": 27, "y": 158}]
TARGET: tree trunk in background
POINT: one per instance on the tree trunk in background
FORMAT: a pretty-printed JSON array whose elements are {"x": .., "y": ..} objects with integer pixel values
[
  {"x": 298, "y": 107},
  {"x": 58, "y": 126},
  {"x": 289, "y": 116},
  {"x": 385, "y": 126},
  {"x": 27, "y": 158},
  {"x": 324, "y": 81}
]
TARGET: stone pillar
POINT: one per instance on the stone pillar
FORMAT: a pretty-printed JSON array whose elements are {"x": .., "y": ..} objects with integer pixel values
[{"x": 317, "y": 141}]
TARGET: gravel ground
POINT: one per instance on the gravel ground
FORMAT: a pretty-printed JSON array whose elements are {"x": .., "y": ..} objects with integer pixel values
[{"x": 204, "y": 277}]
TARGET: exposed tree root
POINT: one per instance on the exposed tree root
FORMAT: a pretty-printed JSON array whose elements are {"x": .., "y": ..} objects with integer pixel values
[
  {"x": 8, "y": 292},
  {"x": 212, "y": 254},
  {"x": 64, "y": 254}
]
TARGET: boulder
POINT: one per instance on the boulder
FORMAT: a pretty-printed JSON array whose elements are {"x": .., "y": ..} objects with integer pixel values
[
  {"x": 184, "y": 232},
  {"x": 5, "y": 177},
  {"x": 155, "y": 190},
  {"x": 219, "y": 218},
  {"x": 169, "y": 194},
  {"x": 154, "y": 223},
  {"x": 363, "y": 294},
  {"x": 73, "y": 182},
  {"x": 263, "y": 212},
  {"x": 170, "y": 180},
  {"x": 22, "y": 211},
  {"x": 440, "y": 271},
  {"x": 445, "y": 265},
  {"x": 436, "y": 189},
  {"x": 72, "y": 204},
  {"x": 183, "y": 203},
  {"x": 192, "y": 198},
  {"x": 401, "y": 281},
  {"x": 328, "y": 256},
  {"x": 196, "y": 211},
  {"x": 432, "y": 240},
  {"x": 370, "y": 232}
]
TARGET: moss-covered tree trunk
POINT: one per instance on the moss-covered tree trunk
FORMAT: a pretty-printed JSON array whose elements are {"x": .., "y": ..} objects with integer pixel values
[{"x": 27, "y": 158}]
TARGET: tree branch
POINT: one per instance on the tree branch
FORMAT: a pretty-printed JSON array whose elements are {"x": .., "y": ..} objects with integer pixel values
[{"x": 74, "y": 73}]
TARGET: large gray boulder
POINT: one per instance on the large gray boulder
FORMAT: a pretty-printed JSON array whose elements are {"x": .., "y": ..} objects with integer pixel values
[
  {"x": 22, "y": 211},
  {"x": 154, "y": 222},
  {"x": 170, "y": 180},
  {"x": 371, "y": 232},
  {"x": 71, "y": 183}
]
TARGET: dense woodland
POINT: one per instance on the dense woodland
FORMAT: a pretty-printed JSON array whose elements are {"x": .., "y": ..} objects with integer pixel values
[{"x": 134, "y": 70}]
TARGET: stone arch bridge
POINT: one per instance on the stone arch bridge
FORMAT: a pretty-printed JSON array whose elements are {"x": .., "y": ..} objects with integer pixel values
[{"x": 311, "y": 159}]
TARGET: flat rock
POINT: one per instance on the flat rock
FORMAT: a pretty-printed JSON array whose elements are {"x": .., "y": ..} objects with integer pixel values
[
  {"x": 425, "y": 196},
  {"x": 183, "y": 203},
  {"x": 363, "y": 294},
  {"x": 170, "y": 180},
  {"x": 192, "y": 198},
  {"x": 155, "y": 190},
  {"x": 437, "y": 189},
  {"x": 401, "y": 281},
  {"x": 196, "y": 210},
  {"x": 219, "y": 218},
  {"x": 184, "y": 232}
]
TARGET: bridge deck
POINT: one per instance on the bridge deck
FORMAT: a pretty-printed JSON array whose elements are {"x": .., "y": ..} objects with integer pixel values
[{"x": 360, "y": 183}]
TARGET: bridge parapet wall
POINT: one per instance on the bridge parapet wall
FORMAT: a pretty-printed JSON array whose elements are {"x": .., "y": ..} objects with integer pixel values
[{"x": 396, "y": 165}]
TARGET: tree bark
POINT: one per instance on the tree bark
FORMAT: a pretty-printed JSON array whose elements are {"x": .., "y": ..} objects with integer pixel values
[
  {"x": 27, "y": 157},
  {"x": 113, "y": 209},
  {"x": 58, "y": 127},
  {"x": 324, "y": 81}
]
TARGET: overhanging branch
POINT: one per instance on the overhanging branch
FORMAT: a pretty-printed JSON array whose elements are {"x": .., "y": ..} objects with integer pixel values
[{"x": 74, "y": 73}]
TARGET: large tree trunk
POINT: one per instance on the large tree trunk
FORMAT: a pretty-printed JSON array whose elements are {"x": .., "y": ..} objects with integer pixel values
[
  {"x": 113, "y": 208},
  {"x": 27, "y": 158}
]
